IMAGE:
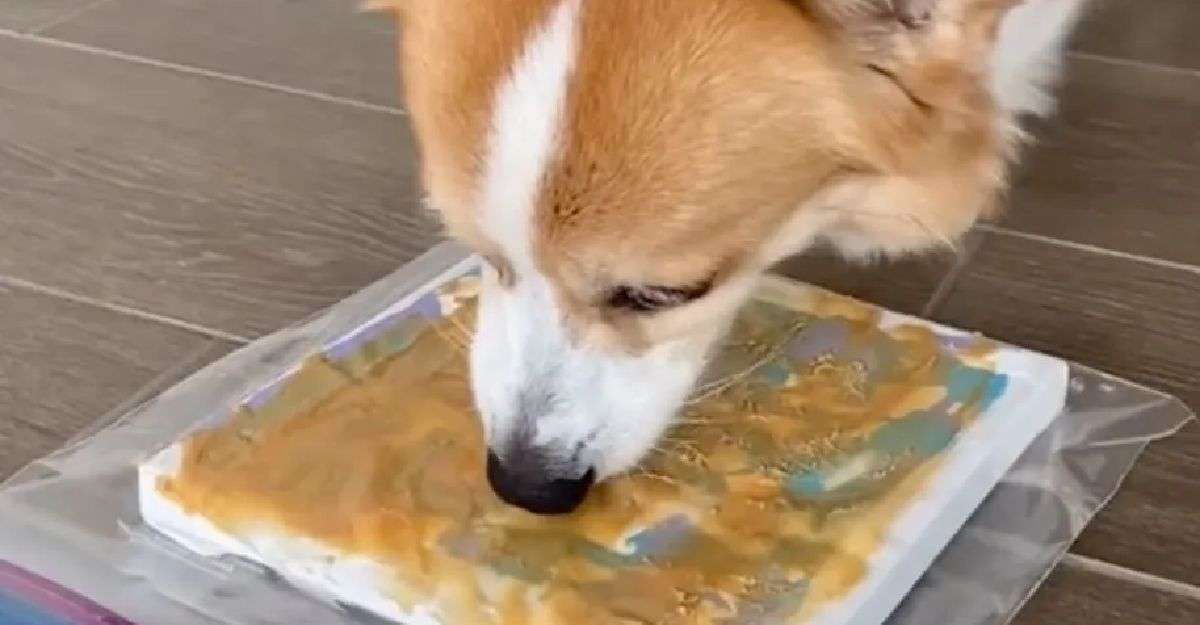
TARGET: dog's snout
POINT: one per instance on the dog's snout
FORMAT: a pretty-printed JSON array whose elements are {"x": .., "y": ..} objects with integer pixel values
[{"x": 529, "y": 481}]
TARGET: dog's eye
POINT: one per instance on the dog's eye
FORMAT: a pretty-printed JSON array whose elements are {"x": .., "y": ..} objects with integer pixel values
[{"x": 645, "y": 299}]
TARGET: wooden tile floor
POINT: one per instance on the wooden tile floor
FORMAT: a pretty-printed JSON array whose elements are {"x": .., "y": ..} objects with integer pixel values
[{"x": 178, "y": 177}]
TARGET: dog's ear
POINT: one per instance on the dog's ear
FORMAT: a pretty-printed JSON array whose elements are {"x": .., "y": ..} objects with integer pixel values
[
  {"x": 934, "y": 145},
  {"x": 849, "y": 13},
  {"x": 914, "y": 13},
  {"x": 933, "y": 50},
  {"x": 875, "y": 31},
  {"x": 379, "y": 5}
]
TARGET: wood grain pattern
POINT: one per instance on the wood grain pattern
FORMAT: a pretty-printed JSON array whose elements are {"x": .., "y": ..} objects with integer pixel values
[
  {"x": 321, "y": 45},
  {"x": 904, "y": 285},
  {"x": 1117, "y": 168},
  {"x": 243, "y": 209},
  {"x": 64, "y": 365},
  {"x": 1135, "y": 320},
  {"x": 25, "y": 15},
  {"x": 229, "y": 206},
  {"x": 1076, "y": 597},
  {"x": 1147, "y": 31}
]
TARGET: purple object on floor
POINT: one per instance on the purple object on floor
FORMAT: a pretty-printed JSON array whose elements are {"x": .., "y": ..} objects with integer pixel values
[{"x": 30, "y": 599}]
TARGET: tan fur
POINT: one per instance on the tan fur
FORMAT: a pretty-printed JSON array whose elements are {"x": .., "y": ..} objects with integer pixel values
[
  {"x": 453, "y": 55},
  {"x": 689, "y": 137},
  {"x": 696, "y": 130},
  {"x": 935, "y": 168}
]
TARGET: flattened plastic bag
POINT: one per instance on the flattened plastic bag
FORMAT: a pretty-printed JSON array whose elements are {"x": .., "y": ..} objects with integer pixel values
[{"x": 71, "y": 521}]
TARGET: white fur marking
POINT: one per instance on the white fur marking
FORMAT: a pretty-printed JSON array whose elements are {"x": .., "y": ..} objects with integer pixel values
[
  {"x": 1028, "y": 54},
  {"x": 534, "y": 385},
  {"x": 525, "y": 132}
]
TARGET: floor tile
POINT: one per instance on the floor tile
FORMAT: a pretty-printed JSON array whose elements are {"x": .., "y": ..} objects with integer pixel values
[
  {"x": 26, "y": 15},
  {"x": 63, "y": 365},
  {"x": 320, "y": 45},
  {"x": 1117, "y": 167},
  {"x": 229, "y": 206},
  {"x": 904, "y": 285},
  {"x": 1149, "y": 31},
  {"x": 1075, "y": 597},
  {"x": 1131, "y": 319}
]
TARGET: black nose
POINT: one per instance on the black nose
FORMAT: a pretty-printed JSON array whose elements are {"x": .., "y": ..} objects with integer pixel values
[{"x": 524, "y": 482}]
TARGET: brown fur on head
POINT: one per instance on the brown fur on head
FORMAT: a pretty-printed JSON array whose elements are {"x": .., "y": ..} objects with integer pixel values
[
  {"x": 726, "y": 116},
  {"x": 628, "y": 166}
]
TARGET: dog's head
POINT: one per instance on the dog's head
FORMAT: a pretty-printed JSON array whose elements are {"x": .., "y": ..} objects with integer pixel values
[{"x": 628, "y": 168}]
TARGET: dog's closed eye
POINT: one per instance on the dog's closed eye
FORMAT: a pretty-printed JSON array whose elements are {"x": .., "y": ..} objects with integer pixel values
[
  {"x": 892, "y": 77},
  {"x": 648, "y": 299}
]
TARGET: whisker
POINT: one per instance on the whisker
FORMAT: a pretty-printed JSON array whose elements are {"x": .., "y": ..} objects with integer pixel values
[
  {"x": 659, "y": 477},
  {"x": 696, "y": 422},
  {"x": 912, "y": 218},
  {"x": 466, "y": 332},
  {"x": 658, "y": 450},
  {"x": 451, "y": 339},
  {"x": 683, "y": 445},
  {"x": 717, "y": 387}
]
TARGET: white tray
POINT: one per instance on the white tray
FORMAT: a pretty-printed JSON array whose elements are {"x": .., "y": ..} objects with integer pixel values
[{"x": 980, "y": 456}]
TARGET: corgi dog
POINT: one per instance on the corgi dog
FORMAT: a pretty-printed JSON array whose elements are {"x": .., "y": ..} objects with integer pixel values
[{"x": 628, "y": 168}]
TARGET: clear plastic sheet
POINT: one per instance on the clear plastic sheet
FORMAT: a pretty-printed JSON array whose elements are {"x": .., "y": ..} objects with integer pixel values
[{"x": 72, "y": 517}]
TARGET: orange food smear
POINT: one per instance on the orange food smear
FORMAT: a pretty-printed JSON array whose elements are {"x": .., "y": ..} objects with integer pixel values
[{"x": 389, "y": 465}]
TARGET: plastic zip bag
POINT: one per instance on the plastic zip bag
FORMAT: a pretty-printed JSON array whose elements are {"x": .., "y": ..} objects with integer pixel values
[{"x": 71, "y": 521}]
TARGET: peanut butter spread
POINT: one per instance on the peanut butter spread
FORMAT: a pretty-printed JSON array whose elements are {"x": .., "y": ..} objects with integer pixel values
[{"x": 768, "y": 499}]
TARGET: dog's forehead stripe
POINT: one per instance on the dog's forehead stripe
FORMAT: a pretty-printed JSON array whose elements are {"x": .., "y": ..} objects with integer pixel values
[{"x": 525, "y": 129}]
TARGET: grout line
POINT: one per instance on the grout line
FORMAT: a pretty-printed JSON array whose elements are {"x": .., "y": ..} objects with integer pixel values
[
  {"x": 204, "y": 73},
  {"x": 1134, "y": 63},
  {"x": 66, "y": 17},
  {"x": 36, "y": 35},
  {"x": 946, "y": 285},
  {"x": 123, "y": 310},
  {"x": 163, "y": 380},
  {"x": 1107, "y": 569},
  {"x": 1093, "y": 249}
]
